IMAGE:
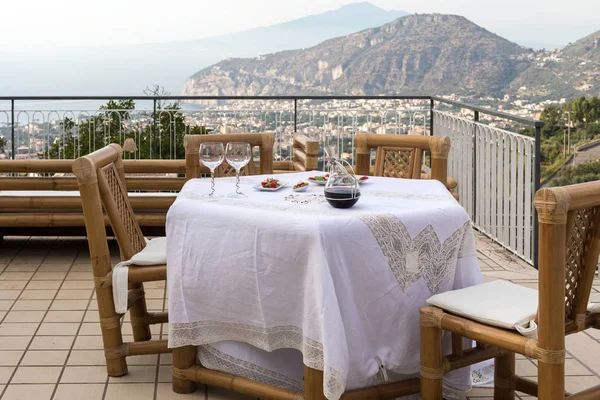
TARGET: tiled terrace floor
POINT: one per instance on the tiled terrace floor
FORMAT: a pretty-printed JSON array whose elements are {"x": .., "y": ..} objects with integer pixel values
[{"x": 50, "y": 344}]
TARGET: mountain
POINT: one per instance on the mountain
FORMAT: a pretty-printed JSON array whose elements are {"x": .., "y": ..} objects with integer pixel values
[
  {"x": 587, "y": 48},
  {"x": 415, "y": 54},
  {"x": 564, "y": 73},
  {"x": 127, "y": 70}
]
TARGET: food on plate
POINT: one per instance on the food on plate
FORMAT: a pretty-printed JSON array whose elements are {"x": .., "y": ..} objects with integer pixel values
[
  {"x": 363, "y": 178},
  {"x": 300, "y": 185},
  {"x": 319, "y": 178},
  {"x": 270, "y": 183}
]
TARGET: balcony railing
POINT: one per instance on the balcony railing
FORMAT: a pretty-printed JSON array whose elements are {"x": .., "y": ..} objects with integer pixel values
[{"x": 497, "y": 169}]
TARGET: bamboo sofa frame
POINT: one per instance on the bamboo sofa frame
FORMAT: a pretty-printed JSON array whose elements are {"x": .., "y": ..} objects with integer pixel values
[
  {"x": 100, "y": 176},
  {"x": 44, "y": 211},
  {"x": 401, "y": 156},
  {"x": 305, "y": 155},
  {"x": 569, "y": 245}
]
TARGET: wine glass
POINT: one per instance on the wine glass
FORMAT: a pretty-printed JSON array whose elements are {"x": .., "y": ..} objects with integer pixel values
[
  {"x": 238, "y": 155},
  {"x": 211, "y": 154}
]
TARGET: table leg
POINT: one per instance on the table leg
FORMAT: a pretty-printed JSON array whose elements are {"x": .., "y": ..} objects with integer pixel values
[
  {"x": 313, "y": 384},
  {"x": 183, "y": 358}
]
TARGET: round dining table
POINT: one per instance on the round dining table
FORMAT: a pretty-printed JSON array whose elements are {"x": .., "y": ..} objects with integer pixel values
[{"x": 280, "y": 279}]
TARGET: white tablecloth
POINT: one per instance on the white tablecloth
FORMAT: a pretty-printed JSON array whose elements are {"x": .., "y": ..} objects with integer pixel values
[{"x": 281, "y": 270}]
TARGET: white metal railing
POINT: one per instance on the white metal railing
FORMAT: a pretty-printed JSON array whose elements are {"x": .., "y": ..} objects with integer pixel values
[{"x": 494, "y": 170}]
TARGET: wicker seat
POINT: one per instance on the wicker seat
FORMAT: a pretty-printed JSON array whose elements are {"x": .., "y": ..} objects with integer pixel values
[
  {"x": 401, "y": 156},
  {"x": 569, "y": 246},
  {"x": 264, "y": 141},
  {"x": 100, "y": 179}
]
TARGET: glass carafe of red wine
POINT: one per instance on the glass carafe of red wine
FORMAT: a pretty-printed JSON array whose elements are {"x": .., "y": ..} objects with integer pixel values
[{"x": 341, "y": 189}]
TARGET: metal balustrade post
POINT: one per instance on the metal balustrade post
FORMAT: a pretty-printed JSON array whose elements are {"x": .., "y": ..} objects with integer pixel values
[
  {"x": 295, "y": 115},
  {"x": 154, "y": 131},
  {"x": 12, "y": 128},
  {"x": 431, "y": 105},
  {"x": 537, "y": 185},
  {"x": 476, "y": 119}
]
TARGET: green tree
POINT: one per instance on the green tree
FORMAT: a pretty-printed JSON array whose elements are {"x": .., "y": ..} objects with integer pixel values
[
  {"x": 551, "y": 115},
  {"x": 158, "y": 135}
]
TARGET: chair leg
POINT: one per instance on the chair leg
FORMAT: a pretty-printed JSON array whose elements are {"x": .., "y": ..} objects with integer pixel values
[
  {"x": 112, "y": 337},
  {"x": 551, "y": 381},
  {"x": 184, "y": 358},
  {"x": 431, "y": 357},
  {"x": 313, "y": 384},
  {"x": 139, "y": 317},
  {"x": 504, "y": 370}
]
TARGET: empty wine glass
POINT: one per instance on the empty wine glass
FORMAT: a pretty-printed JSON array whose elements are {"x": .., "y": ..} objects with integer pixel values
[
  {"x": 211, "y": 154},
  {"x": 238, "y": 155}
]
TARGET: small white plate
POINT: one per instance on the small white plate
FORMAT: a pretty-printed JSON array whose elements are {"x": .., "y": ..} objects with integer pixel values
[
  {"x": 301, "y": 189},
  {"x": 315, "y": 182},
  {"x": 258, "y": 186}
]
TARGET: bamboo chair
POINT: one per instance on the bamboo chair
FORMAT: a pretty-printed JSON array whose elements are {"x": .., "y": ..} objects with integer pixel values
[
  {"x": 264, "y": 141},
  {"x": 401, "y": 156},
  {"x": 569, "y": 245},
  {"x": 100, "y": 177}
]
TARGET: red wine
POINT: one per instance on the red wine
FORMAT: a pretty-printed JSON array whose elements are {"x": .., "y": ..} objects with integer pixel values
[{"x": 342, "y": 197}]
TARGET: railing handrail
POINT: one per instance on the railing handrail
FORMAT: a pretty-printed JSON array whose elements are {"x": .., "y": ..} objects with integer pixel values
[{"x": 517, "y": 118}]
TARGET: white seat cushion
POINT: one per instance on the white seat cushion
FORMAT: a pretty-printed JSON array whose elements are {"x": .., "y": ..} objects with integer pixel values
[
  {"x": 155, "y": 253},
  {"x": 497, "y": 303}
]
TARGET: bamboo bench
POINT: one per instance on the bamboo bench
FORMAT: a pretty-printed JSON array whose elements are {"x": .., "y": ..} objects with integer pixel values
[{"x": 47, "y": 205}]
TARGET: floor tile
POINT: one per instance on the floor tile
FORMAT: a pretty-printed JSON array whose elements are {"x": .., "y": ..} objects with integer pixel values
[
  {"x": 69, "y": 305},
  {"x": 49, "y": 276},
  {"x": 58, "y": 329},
  {"x": 15, "y": 275},
  {"x": 136, "y": 374},
  {"x": 130, "y": 391},
  {"x": 36, "y": 375},
  {"x": 25, "y": 316},
  {"x": 44, "y": 357},
  {"x": 165, "y": 392},
  {"x": 585, "y": 349},
  {"x": 94, "y": 374},
  {"x": 51, "y": 343},
  {"x": 39, "y": 294},
  {"x": 5, "y": 374},
  {"x": 90, "y": 328},
  {"x": 12, "y": 285},
  {"x": 88, "y": 343},
  {"x": 14, "y": 342},
  {"x": 165, "y": 373},
  {"x": 74, "y": 294},
  {"x": 10, "y": 357},
  {"x": 77, "y": 391},
  {"x": 43, "y": 285},
  {"x": 77, "y": 285},
  {"x": 28, "y": 305},
  {"x": 6, "y": 294},
  {"x": 5, "y": 305},
  {"x": 28, "y": 392},
  {"x": 18, "y": 329},
  {"x": 64, "y": 316},
  {"x": 87, "y": 357}
]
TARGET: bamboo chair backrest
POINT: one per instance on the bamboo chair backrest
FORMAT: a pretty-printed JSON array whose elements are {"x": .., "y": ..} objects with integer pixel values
[
  {"x": 401, "y": 156},
  {"x": 264, "y": 141},
  {"x": 568, "y": 216},
  {"x": 398, "y": 162},
  {"x": 100, "y": 177}
]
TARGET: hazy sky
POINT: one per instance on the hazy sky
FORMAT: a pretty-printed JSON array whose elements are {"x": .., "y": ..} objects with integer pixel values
[{"x": 105, "y": 22}]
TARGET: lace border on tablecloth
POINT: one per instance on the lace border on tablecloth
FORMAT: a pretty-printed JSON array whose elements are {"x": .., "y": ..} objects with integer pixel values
[
  {"x": 268, "y": 339},
  {"x": 423, "y": 256},
  {"x": 214, "y": 359}
]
